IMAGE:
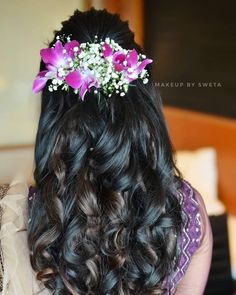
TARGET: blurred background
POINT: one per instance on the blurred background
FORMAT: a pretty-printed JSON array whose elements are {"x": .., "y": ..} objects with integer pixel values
[{"x": 193, "y": 47}]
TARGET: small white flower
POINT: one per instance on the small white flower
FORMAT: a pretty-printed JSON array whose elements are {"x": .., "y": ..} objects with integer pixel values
[
  {"x": 85, "y": 65},
  {"x": 126, "y": 87},
  {"x": 98, "y": 59},
  {"x": 54, "y": 87},
  {"x": 106, "y": 80},
  {"x": 114, "y": 75},
  {"x": 64, "y": 51},
  {"x": 83, "y": 45},
  {"x": 145, "y": 81},
  {"x": 76, "y": 48},
  {"x": 143, "y": 73},
  {"x": 109, "y": 70},
  {"x": 109, "y": 58},
  {"x": 107, "y": 40},
  {"x": 65, "y": 87},
  {"x": 122, "y": 94},
  {"x": 82, "y": 54},
  {"x": 54, "y": 82}
]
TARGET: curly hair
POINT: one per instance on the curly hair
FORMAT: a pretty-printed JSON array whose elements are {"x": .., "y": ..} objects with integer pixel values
[{"x": 105, "y": 219}]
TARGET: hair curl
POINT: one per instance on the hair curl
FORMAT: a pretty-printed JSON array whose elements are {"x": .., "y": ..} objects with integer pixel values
[{"x": 105, "y": 218}]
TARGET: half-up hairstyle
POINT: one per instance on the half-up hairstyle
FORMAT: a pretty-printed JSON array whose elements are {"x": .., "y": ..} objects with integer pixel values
[{"x": 105, "y": 219}]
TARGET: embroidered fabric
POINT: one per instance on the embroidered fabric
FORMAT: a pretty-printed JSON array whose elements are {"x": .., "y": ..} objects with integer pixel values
[{"x": 190, "y": 237}]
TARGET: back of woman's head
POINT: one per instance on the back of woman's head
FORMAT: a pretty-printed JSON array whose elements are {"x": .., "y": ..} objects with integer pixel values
[{"x": 105, "y": 218}]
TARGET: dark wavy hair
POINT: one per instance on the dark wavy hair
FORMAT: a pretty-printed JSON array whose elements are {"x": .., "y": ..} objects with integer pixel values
[{"x": 105, "y": 218}]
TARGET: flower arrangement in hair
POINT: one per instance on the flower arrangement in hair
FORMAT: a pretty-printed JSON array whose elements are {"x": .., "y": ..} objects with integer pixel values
[{"x": 102, "y": 67}]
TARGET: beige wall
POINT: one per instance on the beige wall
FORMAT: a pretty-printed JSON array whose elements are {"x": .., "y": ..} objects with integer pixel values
[{"x": 25, "y": 27}]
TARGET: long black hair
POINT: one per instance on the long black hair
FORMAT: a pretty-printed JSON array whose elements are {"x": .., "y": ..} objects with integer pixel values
[{"x": 105, "y": 218}]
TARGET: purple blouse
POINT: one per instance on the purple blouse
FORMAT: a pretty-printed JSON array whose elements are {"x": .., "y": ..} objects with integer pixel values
[{"x": 190, "y": 237}]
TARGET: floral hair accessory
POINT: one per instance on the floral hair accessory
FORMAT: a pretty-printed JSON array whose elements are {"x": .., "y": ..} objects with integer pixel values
[{"x": 102, "y": 66}]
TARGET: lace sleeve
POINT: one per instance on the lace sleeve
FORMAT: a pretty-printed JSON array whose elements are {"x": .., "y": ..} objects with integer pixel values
[
  {"x": 3, "y": 190},
  {"x": 18, "y": 277}
]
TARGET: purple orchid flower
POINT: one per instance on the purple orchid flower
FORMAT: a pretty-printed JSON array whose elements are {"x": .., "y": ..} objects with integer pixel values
[
  {"x": 80, "y": 81},
  {"x": 119, "y": 61},
  {"x": 55, "y": 57},
  {"x": 40, "y": 81},
  {"x": 127, "y": 63},
  {"x": 133, "y": 67},
  {"x": 118, "y": 58},
  {"x": 107, "y": 51}
]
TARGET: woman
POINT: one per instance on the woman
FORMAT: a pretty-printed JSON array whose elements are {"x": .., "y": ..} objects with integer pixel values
[{"x": 109, "y": 213}]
